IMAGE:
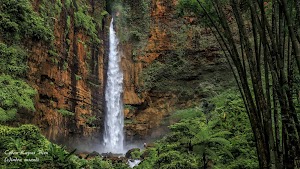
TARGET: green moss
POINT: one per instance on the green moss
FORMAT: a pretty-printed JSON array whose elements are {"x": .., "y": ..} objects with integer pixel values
[
  {"x": 65, "y": 112},
  {"x": 78, "y": 77},
  {"x": 65, "y": 66},
  {"x": 53, "y": 53},
  {"x": 104, "y": 13},
  {"x": 7, "y": 115},
  {"x": 58, "y": 7},
  {"x": 54, "y": 61},
  {"x": 127, "y": 106},
  {"x": 89, "y": 55},
  {"x": 187, "y": 114},
  {"x": 86, "y": 22},
  {"x": 82, "y": 42},
  {"x": 50, "y": 11},
  {"x": 128, "y": 121},
  {"x": 68, "y": 41},
  {"x": 68, "y": 23},
  {"x": 18, "y": 21},
  {"x": 98, "y": 17},
  {"x": 90, "y": 120}
]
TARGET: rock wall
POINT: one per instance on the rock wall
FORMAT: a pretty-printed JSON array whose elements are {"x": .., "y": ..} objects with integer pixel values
[
  {"x": 146, "y": 111},
  {"x": 72, "y": 81}
]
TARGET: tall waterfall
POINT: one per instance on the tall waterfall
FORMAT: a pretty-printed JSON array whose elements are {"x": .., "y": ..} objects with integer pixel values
[{"x": 114, "y": 119}]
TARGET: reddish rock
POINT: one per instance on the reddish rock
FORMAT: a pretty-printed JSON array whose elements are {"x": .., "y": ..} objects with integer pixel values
[
  {"x": 73, "y": 80},
  {"x": 154, "y": 106}
]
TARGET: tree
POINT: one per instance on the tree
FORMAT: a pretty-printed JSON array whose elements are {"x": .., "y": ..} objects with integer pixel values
[{"x": 262, "y": 56}]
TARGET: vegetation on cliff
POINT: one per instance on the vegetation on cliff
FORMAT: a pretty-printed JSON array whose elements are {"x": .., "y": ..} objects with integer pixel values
[
  {"x": 41, "y": 43},
  {"x": 253, "y": 125},
  {"x": 18, "y": 22},
  {"x": 133, "y": 22}
]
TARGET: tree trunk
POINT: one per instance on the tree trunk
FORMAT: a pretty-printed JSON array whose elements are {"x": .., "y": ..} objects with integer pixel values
[
  {"x": 297, "y": 19},
  {"x": 291, "y": 31},
  {"x": 271, "y": 145},
  {"x": 204, "y": 161},
  {"x": 277, "y": 131}
]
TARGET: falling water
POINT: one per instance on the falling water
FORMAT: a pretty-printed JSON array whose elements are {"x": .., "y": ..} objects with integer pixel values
[{"x": 114, "y": 120}]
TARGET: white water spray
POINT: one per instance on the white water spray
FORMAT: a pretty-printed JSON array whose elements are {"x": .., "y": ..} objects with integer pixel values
[{"x": 114, "y": 119}]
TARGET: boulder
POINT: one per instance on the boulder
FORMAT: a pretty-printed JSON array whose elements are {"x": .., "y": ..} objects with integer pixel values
[{"x": 128, "y": 154}]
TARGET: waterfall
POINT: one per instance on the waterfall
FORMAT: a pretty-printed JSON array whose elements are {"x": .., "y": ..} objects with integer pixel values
[{"x": 114, "y": 119}]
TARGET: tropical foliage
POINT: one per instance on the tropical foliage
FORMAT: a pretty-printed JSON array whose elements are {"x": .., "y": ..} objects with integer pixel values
[
  {"x": 18, "y": 20},
  {"x": 260, "y": 40},
  {"x": 221, "y": 138},
  {"x": 254, "y": 126},
  {"x": 14, "y": 95},
  {"x": 33, "y": 150}
]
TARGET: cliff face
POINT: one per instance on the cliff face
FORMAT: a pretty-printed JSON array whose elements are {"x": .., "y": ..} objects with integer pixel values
[
  {"x": 146, "y": 110},
  {"x": 171, "y": 37},
  {"x": 69, "y": 74},
  {"x": 70, "y": 82}
]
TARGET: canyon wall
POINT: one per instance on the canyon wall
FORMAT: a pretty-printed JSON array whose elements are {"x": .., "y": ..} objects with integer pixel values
[
  {"x": 170, "y": 36},
  {"x": 69, "y": 76}
]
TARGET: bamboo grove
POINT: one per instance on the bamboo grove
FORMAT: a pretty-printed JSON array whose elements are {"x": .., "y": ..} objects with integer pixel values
[{"x": 260, "y": 40}]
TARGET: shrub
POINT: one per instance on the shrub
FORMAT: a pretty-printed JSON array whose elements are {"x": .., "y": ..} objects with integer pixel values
[
  {"x": 98, "y": 162},
  {"x": 27, "y": 138},
  {"x": 14, "y": 95},
  {"x": 12, "y": 60},
  {"x": 175, "y": 160},
  {"x": 136, "y": 154},
  {"x": 18, "y": 20}
]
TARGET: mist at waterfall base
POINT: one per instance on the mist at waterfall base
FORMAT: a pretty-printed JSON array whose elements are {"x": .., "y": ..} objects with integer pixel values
[{"x": 90, "y": 144}]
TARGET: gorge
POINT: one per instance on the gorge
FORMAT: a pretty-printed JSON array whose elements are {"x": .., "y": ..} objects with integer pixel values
[
  {"x": 71, "y": 77},
  {"x": 69, "y": 71}
]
